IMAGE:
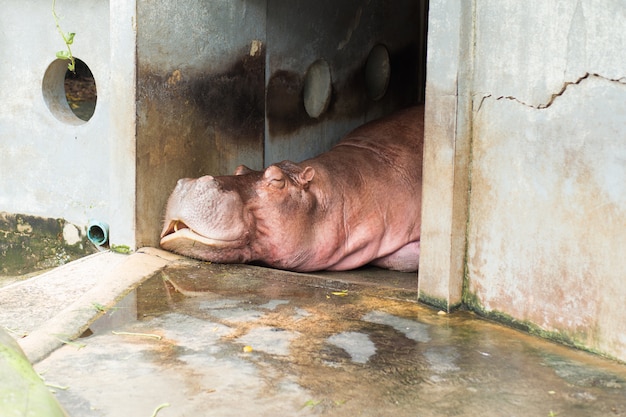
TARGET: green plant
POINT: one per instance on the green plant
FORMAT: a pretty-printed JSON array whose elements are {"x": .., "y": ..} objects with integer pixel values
[{"x": 68, "y": 38}]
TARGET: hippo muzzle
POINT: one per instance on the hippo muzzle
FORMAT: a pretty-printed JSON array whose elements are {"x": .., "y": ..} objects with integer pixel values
[{"x": 202, "y": 218}]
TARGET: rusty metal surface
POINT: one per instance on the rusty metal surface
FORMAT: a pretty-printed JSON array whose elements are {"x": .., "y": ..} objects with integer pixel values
[
  {"x": 200, "y": 97},
  {"x": 300, "y": 33}
]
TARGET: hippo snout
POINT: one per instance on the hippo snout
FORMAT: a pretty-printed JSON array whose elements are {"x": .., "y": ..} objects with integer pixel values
[{"x": 201, "y": 209}]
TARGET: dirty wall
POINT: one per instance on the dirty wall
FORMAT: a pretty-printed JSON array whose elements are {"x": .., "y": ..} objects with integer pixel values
[
  {"x": 539, "y": 113},
  {"x": 54, "y": 164}
]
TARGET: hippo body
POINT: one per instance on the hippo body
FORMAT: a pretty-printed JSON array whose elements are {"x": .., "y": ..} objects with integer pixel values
[{"x": 357, "y": 204}]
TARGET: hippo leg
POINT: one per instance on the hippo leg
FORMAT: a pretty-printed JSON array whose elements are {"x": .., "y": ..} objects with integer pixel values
[{"x": 405, "y": 259}]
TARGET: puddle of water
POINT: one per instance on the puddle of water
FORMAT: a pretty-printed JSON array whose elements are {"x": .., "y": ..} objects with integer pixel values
[
  {"x": 412, "y": 329},
  {"x": 272, "y": 340},
  {"x": 317, "y": 353},
  {"x": 357, "y": 345}
]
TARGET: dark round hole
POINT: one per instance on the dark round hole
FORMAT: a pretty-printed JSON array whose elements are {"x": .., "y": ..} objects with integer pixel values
[
  {"x": 96, "y": 234},
  {"x": 70, "y": 96},
  {"x": 80, "y": 91}
]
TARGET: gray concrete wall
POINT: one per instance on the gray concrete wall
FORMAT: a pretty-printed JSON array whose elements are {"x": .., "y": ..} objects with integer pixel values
[
  {"x": 53, "y": 164},
  {"x": 300, "y": 33},
  {"x": 547, "y": 190}
]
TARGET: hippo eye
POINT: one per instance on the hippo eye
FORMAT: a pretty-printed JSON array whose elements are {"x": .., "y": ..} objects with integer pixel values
[{"x": 277, "y": 183}]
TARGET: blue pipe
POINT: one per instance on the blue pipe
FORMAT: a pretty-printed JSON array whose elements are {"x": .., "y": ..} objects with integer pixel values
[{"x": 98, "y": 232}]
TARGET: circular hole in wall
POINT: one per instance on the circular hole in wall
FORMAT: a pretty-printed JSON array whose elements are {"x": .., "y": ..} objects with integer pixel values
[
  {"x": 70, "y": 96},
  {"x": 317, "y": 88},
  {"x": 377, "y": 72}
]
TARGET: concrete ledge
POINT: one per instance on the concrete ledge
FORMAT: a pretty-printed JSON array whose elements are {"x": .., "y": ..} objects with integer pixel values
[
  {"x": 27, "y": 304},
  {"x": 73, "y": 303}
]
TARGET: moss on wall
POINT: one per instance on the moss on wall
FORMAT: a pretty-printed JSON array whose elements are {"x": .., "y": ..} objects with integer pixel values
[
  {"x": 30, "y": 243},
  {"x": 439, "y": 303},
  {"x": 472, "y": 303}
]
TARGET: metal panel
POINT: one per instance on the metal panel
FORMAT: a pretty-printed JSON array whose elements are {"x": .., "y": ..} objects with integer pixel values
[
  {"x": 200, "y": 96},
  {"x": 299, "y": 33}
]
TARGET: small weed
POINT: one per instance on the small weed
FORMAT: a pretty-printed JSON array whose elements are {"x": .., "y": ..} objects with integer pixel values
[{"x": 68, "y": 38}]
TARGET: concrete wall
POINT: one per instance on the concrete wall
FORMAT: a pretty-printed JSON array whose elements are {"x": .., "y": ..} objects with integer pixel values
[
  {"x": 53, "y": 164},
  {"x": 544, "y": 91},
  {"x": 300, "y": 33}
]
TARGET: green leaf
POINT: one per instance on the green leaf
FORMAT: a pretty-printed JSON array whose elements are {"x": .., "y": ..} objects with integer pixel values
[
  {"x": 120, "y": 249},
  {"x": 99, "y": 307},
  {"x": 63, "y": 55},
  {"x": 312, "y": 403},
  {"x": 69, "y": 38}
]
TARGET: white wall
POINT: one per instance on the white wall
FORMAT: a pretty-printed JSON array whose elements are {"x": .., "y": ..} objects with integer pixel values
[{"x": 50, "y": 167}]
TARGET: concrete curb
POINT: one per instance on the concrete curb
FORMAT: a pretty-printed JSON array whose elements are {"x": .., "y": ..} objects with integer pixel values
[{"x": 74, "y": 319}]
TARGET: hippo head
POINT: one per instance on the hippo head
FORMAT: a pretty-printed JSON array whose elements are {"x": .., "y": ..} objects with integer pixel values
[{"x": 220, "y": 219}]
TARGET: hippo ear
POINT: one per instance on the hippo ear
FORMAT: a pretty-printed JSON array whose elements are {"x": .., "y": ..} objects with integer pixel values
[
  {"x": 306, "y": 176},
  {"x": 274, "y": 177},
  {"x": 242, "y": 169}
]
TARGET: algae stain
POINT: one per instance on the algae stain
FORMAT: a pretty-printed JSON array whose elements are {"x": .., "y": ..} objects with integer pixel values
[
  {"x": 438, "y": 303},
  {"x": 472, "y": 303},
  {"x": 31, "y": 243}
]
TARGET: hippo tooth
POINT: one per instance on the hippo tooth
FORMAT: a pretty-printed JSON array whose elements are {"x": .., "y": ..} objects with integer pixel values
[
  {"x": 173, "y": 227},
  {"x": 178, "y": 225}
]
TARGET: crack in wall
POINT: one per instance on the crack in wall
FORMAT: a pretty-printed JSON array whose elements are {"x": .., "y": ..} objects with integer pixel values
[{"x": 554, "y": 96}]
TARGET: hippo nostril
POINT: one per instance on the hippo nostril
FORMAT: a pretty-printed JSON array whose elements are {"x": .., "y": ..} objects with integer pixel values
[
  {"x": 180, "y": 184},
  {"x": 206, "y": 178}
]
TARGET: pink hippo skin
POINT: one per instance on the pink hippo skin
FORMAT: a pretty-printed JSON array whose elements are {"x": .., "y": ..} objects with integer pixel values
[{"x": 359, "y": 203}]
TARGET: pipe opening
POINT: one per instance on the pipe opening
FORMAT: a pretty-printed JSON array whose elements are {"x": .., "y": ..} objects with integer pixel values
[{"x": 98, "y": 233}]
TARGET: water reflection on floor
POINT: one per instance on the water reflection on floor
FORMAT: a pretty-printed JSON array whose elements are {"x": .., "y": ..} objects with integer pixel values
[{"x": 221, "y": 341}]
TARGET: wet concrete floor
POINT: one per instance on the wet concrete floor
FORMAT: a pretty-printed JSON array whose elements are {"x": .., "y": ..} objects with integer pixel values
[{"x": 200, "y": 339}]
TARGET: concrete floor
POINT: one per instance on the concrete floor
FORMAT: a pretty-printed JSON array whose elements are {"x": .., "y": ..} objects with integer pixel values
[{"x": 200, "y": 339}]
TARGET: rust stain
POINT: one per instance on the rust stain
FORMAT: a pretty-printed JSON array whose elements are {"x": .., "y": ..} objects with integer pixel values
[{"x": 174, "y": 78}]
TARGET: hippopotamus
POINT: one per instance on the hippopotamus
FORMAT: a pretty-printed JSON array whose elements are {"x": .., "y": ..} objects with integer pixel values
[{"x": 357, "y": 204}]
